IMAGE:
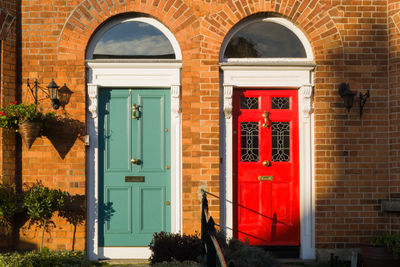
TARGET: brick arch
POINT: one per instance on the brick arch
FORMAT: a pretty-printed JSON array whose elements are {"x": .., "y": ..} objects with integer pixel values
[
  {"x": 86, "y": 18},
  {"x": 396, "y": 21},
  {"x": 6, "y": 22},
  {"x": 313, "y": 18}
]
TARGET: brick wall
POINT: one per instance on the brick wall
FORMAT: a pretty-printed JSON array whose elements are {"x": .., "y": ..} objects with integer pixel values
[
  {"x": 8, "y": 37},
  {"x": 394, "y": 102},
  {"x": 8, "y": 53},
  {"x": 350, "y": 44}
]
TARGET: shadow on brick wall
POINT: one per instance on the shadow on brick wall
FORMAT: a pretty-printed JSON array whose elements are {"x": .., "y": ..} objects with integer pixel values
[{"x": 63, "y": 132}]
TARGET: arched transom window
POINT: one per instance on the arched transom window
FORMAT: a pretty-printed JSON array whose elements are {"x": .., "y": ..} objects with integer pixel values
[
  {"x": 266, "y": 38},
  {"x": 136, "y": 38}
]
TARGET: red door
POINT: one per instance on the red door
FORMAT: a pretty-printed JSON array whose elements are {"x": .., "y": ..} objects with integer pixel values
[{"x": 266, "y": 167}]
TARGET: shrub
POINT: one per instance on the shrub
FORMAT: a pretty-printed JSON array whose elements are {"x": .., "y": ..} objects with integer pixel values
[
  {"x": 241, "y": 253},
  {"x": 10, "y": 202},
  {"x": 244, "y": 255},
  {"x": 41, "y": 203},
  {"x": 45, "y": 258},
  {"x": 168, "y": 247},
  {"x": 390, "y": 241}
]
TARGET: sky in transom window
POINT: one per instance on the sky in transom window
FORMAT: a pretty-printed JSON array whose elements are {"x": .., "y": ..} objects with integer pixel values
[
  {"x": 264, "y": 39},
  {"x": 133, "y": 39}
]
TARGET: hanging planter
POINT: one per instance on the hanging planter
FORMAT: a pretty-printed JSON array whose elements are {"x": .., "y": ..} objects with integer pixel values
[
  {"x": 25, "y": 119},
  {"x": 29, "y": 130}
]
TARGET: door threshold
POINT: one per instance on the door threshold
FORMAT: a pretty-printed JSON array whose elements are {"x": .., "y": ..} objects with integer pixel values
[{"x": 141, "y": 253}]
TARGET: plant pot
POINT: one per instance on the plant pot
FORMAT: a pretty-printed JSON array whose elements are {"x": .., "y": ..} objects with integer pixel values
[
  {"x": 378, "y": 256},
  {"x": 29, "y": 130}
]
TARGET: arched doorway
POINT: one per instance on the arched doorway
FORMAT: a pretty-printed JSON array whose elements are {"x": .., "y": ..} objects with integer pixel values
[
  {"x": 267, "y": 180},
  {"x": 134, "y": 174}
]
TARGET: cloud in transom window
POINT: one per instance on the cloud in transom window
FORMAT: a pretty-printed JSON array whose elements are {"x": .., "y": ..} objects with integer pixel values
[{"x": 149, "y": 45}]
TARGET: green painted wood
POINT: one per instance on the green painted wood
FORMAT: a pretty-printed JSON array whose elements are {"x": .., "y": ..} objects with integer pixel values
[{"x": 130, "y": 212}]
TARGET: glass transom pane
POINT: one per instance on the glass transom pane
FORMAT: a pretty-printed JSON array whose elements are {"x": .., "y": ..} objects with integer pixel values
[
  {"x": 280, "y": 102},
  {"x": 249, "y": 103},
  {"x": 135, "y": 40},
  {"x": 249, "y": 148},
  {"x": 264, "y": 39},
  {"x": 280, "y": 141}
]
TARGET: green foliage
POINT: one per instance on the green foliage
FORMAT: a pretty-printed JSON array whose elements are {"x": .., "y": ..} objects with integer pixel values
[
  {"x": 167, "y": 247},
  {"x": 390, "y": 241},
  {"x": 16, "y": 113},
  {"x": 41, "y": 203},
  {"x": 44, "y": 258},
  {"x": 9, "y": 204},
  {"x": 173, "y": 249},
  {"x": 244, "y": 255}
]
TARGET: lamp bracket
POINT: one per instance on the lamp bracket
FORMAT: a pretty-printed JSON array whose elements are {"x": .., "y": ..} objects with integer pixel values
[{"x": 363, "y": 99}]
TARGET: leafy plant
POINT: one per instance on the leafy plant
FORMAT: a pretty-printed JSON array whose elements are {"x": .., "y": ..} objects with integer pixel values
[
  {"x": 15, "y": 113},
  {"x": 242, "y": 254},
  {"x": 9, "y": 204},
  {"x": 390, "y": 241},
  {"x": 41, "y": 203},
  {"x": 167, "y": 247},
  {"x": 44, "y": 258}
]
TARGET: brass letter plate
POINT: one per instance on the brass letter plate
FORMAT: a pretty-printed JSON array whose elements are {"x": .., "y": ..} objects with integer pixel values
[
  {"x": 134, "y": 179},
  {"x": 265, "y": 178}
]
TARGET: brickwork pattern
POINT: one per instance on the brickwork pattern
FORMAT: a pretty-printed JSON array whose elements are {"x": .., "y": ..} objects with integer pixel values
[
  {"x": 350, "y": 44},
  {"x": 8, "y": 52},
  {"x": 394, "y": 102}
]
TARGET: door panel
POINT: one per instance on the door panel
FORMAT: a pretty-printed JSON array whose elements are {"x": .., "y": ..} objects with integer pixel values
[
  {"x": 116, "y": 133},
  {"x": 266, "y": 168},
  {"x": 133, "y": 195},
  {"x": 122, "y": 201},
  {"x": 152, "y": 112}
]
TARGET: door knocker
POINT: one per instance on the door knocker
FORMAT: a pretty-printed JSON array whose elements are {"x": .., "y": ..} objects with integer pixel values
[{"x": 267, "y": 120}]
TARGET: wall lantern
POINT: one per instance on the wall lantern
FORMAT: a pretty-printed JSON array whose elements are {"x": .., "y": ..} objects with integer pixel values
[
  {"x": 52, "y": 92},
  {"x": 348, "y": 97}
]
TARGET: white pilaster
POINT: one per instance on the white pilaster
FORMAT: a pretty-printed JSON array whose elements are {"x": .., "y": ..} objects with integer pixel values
[
  {"x": 92, "y": 170},
  {"x": 307, "y": 249},
  {"x": 227, "y": 198},
  {"x": 176, "y": 177}
]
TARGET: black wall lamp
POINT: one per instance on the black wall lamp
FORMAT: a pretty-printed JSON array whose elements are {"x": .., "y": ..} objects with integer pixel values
[
  {"x": 348, "y": 97},
  {"x": 58, "y": 97}
]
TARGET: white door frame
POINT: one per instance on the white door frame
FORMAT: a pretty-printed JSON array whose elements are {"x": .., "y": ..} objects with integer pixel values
[
  {"x": 295, "y": 73},
  {"x": 298, "y": 75},
  {"x": 130, "y": 75}
]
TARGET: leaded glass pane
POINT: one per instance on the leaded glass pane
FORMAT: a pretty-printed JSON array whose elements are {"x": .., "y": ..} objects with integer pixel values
[
  {"x": 280, "y": 102},
  {"x": 249, "y": 141},
  {"x": 136, "y": 40},
  {"x": 280, "y": 141},
  {"x": 265, "y": 39},
  {"x": 249, "y": 103}
]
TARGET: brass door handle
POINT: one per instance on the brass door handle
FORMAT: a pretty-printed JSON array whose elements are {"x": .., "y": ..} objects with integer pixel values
[
  {"x": 134, "y": 109},
  {"x": 266, "y": 163},
  {"x": 267, "y": 120},
  {"x": 134, "y": 161}
]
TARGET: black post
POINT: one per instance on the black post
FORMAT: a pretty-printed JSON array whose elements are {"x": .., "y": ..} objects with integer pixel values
[{"x": 211, "y": 252}]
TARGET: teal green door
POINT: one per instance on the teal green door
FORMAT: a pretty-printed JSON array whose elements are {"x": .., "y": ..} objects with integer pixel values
[{"x": 134, "y": 160}]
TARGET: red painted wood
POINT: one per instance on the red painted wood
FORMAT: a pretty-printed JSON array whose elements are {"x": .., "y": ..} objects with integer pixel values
[{"x": 267, "y": 212}]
